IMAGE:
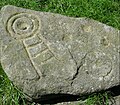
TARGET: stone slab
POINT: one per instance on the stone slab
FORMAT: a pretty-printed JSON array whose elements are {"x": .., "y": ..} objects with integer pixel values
[{"x": 47, "y": 54}]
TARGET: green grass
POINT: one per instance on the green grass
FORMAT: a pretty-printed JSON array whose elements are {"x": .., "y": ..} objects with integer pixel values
[
  {"x": 105, "y": 11},
  {"x": 9, "y": 94},
  {"x": 99, "y": 99}
]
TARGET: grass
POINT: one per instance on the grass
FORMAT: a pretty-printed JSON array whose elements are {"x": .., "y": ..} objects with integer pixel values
[
  {"x": 100, "y": 99},
  {"x": 9, "y": 94},
  {"x": 105, "y": 11}
]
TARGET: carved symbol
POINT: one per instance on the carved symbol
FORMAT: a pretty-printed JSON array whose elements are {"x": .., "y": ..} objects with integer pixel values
[
  {"x": 23, "y": 25},
  {"x": 38, "y": 51},
  {"x": 26, "y": 27}
]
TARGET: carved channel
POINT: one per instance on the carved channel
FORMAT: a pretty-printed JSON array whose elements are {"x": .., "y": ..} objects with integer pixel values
[
  {"x": 26, "y": 27},
  {"x": 23, "y": 25}
]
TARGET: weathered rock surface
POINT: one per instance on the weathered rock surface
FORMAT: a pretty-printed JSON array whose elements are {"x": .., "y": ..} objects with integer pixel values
[
  {"x": 117, "y": 100},
  {"x": 45, "y": 53}
]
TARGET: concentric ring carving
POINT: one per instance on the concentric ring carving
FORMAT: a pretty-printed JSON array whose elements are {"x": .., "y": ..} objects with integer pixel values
[{"x": 23, "y": 25}]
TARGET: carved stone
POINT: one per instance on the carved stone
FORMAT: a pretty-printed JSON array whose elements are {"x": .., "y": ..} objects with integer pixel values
[{"x": 46, "y": 53}]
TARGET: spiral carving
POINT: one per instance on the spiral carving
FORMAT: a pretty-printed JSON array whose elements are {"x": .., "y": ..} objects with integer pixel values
[{"x": 23, "y": 25}]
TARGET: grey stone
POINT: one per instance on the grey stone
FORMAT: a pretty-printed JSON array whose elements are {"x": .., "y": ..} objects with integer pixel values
[
  {"x": 117, "y": 100},
  {"x": 71, "y": 103},
  {"x": 46, "y": 53}
]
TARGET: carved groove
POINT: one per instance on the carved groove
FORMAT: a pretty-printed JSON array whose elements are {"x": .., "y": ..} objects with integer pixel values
[
  {"x": 43, "y": 57},
  {"x": 45, "y": 53},
  {"x": 36, "y": 49},
  {"x": 23, "y": 25},
  {"x": 47, "y": 60},
  {"x": 32, "y": 41},
  {"x": 42, "y": 51},
  {"x": 31, "y": 61}
]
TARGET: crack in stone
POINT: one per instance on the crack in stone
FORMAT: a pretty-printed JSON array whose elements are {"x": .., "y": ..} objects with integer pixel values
[
  {"x": 78, "y": 66},
  {"x": 72, "y": 57}
]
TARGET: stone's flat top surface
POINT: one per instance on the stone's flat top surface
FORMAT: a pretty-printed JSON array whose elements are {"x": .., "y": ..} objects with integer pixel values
[{"x": 45, "y": 53}]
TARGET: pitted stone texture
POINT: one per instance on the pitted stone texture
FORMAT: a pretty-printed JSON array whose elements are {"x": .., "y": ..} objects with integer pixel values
[{"x": 45, "y": 53}]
